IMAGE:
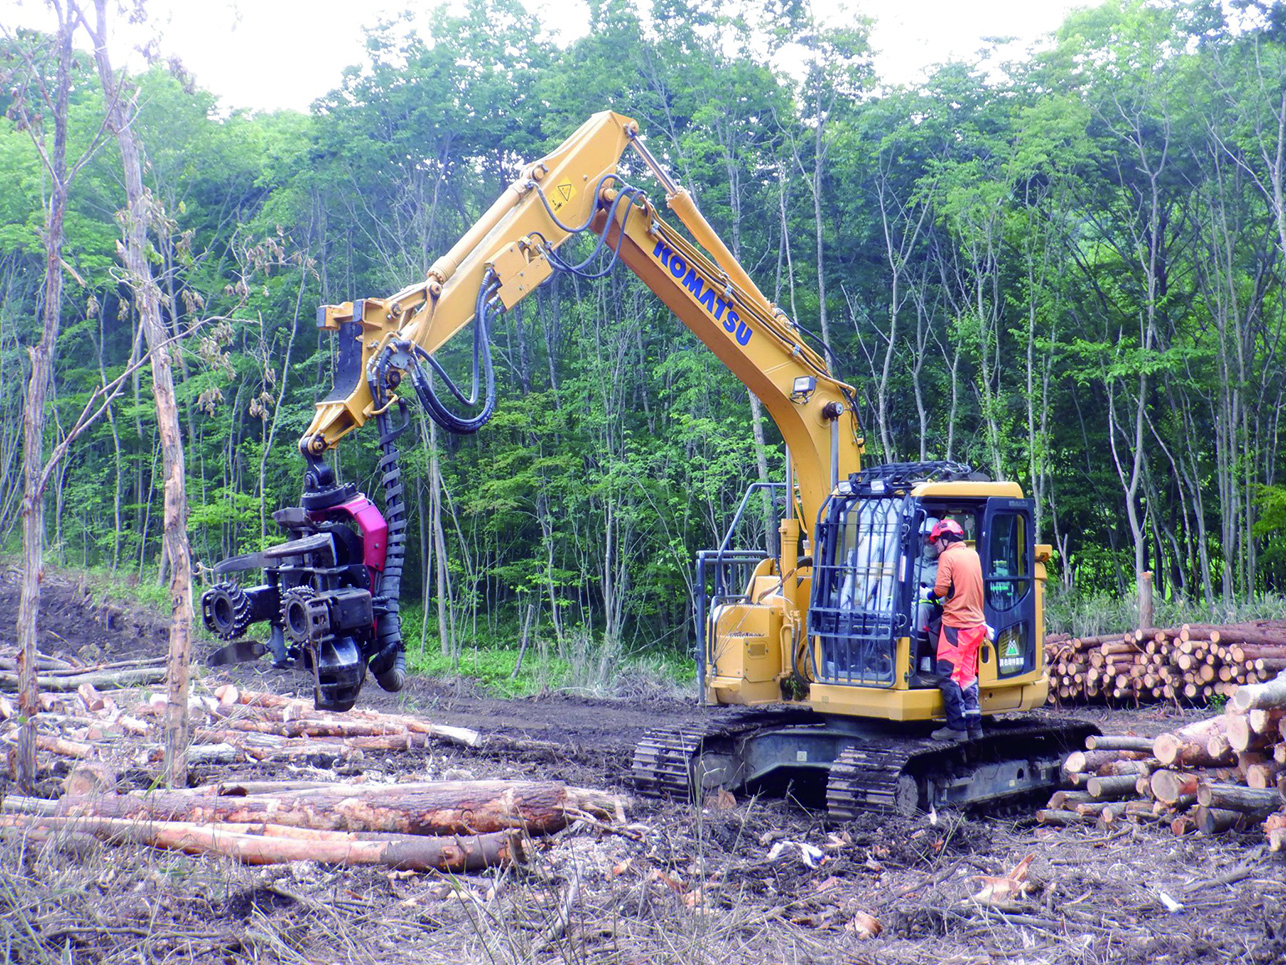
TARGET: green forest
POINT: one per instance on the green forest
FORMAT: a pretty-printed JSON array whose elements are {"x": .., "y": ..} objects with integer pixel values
[{"x": 1065, "y": 269}]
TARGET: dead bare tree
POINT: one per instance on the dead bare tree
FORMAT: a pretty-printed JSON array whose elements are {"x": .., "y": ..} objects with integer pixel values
[
  {"x": 38, "y": 103},
  {"x": 141, "y": 209}
]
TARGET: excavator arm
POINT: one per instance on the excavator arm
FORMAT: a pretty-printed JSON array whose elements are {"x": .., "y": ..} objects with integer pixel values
[
  {"x": 514, "y": 247},
  {"x": 331, "y": 592}
]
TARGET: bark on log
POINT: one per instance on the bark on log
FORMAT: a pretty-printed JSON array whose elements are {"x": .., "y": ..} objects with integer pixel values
[
  {"x": 1111, "y": 788},
  {"x": 1234, "y": 797},
  {"x": 1091, "y": 808},
  {"x": 1059, "y": 817},
  {"x": 1217, "y": 820},
  {"x": 1268, "y": 695},
  {"x": 1118, "y": 742},
  {"x": 63, "y": 747},
  {"x": 1079, "y": 762},
  {"x": 1061, "y": 800},
  {"x": 258, "y": 844},
  {"x": 112, "y": 680},
  {"x": 445, "y": 807}
]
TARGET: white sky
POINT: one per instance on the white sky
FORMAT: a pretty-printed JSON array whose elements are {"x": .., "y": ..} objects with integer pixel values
[{"x": 270, "y": 54}]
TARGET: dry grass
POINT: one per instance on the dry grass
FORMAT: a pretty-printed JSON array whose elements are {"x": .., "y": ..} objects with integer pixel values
[{"x": 687, "y": 886}]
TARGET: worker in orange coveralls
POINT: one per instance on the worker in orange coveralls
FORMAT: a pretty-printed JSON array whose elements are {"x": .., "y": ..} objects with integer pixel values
[{"x": 959, "y": 590}]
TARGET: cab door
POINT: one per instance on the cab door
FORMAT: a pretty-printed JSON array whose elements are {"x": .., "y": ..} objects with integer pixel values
[{"x": 1008, "y": 551}]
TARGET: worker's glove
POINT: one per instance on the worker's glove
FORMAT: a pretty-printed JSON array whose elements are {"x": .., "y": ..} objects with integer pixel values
[
  {"x": 991, "y": 632},
  {"x": 927, "y": 595}
]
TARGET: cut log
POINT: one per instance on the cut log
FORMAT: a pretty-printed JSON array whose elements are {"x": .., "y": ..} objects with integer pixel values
[
  {"x": 62, "y": 747},
  {"x": 1170, "y": 786},
  {"x": 1217, "y": 820},
  {"x": 1059, "y": 817},
  {"x": 1066, "y": 799},
  {"x": 1118, "y": 742},
  {"x": 1187, "y": 747},
  {"x": 1133, "y": 768},
  {"x": 1112, "y": 788},
  {"x": 1139, "y": 809},
  {"x": 1275, "y": 831},
  {"x": 258, "y": 844},
  {"x": 1091, "y": 808},
  {"x": 435, "y": 808},
  {"x": 1242, "y": 736},
  {"x": 1263, "y": 775},
  {"x": 108, "y": 680},
  {"x": 1270, "y": 694},
  {"x": 1234, "y": 797},
  {"x": 1090, "y": 761},
  {"x": 1111, "y": 815}
]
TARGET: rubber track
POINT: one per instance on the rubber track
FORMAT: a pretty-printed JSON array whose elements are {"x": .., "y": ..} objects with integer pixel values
[
  {"x": 864, "y": 778},
  {"x": 663, "y": 758}
]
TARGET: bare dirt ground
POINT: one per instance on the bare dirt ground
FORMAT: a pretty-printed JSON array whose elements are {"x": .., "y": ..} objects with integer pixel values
[{"x": 683, "y": 884}]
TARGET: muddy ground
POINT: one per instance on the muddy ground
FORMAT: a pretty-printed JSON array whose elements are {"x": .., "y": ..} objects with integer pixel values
[{"x": 685, "y": 884}]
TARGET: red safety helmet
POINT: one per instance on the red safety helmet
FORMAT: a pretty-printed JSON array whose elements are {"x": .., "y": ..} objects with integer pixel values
[{"x": 946, "y": 527}]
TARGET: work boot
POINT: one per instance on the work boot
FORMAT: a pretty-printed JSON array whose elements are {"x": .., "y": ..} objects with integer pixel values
[
  {"x": 949, "y": 734},
  {"x": 975, "y": 732}
]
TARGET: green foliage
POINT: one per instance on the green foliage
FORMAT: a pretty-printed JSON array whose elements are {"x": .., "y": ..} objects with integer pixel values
[{"x": 1089, "y": 268}]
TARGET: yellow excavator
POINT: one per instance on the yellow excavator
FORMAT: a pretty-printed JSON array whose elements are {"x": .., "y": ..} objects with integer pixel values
[{"x": 824, "y": 648}]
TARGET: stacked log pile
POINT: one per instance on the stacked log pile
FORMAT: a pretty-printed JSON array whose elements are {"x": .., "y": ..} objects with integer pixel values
[
  {"x": 418, "y": 825},
  {"x": 1188, "y": 664},
  {"x": 1219, "y": 774}
]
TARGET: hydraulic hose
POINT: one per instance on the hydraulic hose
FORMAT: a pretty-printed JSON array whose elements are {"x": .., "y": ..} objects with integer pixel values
[
  {"x": 389, "y": 663},
  {"x": 481, "y": 356}
]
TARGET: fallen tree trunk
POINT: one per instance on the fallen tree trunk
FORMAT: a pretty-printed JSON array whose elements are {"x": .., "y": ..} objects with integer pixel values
[
  {"x": 110, "y": 680},
  {"x": 63, "y": 747},
  {"x": 258, "y": 844},
  {"x": 445, "y": 807}
]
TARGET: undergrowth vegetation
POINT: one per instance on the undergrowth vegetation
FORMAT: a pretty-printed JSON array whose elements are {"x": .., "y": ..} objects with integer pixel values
[
  {"x": 1092, "y": 614},
  {"x": 579, "y": 663}
]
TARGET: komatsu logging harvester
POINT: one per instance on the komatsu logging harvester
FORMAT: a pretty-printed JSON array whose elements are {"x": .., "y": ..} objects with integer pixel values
[{"x": 823, "y": 648}]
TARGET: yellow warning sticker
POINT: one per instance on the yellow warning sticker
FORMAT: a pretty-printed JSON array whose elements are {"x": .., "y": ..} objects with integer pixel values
[{"x": 560, "y": 194}]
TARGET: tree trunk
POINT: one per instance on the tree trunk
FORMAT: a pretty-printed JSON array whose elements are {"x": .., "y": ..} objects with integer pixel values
[
  {"x": 147, "y": 300},
  {"x": 42, "y": 363},
  {"x": 258, "y": 844},
  {"x": 1145, "y": 600},
  {"x": 443, "y": 807}
]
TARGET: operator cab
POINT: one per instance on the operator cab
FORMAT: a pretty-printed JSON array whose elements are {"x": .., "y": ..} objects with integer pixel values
[{"x": 871, "y": 561}]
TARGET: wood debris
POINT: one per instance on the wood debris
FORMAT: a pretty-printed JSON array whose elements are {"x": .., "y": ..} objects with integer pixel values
[{"x": 1223, "y": 773}]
